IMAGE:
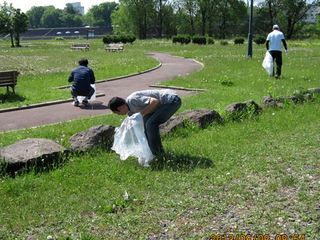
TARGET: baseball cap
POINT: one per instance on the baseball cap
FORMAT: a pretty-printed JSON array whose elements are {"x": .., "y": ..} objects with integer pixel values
[{"x": 275, "y": 27}]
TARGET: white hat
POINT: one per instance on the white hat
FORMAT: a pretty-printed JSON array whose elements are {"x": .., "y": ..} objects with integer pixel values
[{"x": 275, "y": 27}]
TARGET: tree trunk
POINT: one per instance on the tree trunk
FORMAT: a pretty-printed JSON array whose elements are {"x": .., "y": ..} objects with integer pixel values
[
  {"x": 160, "y": 20},
  {"x": 17, "y": 39},
  {"x": 11, "y": 37}
]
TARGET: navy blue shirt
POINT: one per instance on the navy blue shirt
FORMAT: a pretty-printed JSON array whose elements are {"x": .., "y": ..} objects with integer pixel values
[{"x": 82, "y": 77}]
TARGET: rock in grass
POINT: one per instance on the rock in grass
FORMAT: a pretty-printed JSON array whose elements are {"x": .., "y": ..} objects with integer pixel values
[
  {"x": 200, "y": 117},
  {"x": 237, "y": 111},
  {"x": 269, "y": 101},
  {"x": 97, "y": 136},
  {"x": 31, "y": 153}
]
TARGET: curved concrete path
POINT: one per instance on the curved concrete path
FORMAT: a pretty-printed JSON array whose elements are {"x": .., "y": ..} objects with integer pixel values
[{"x": 170, "y": 68}]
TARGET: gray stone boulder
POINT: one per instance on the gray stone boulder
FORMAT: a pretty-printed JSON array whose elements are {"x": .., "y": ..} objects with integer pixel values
[
  {"x": 32, "y": 153},
  {"x": 239, "y": 110},
  {"x": 200, "y": 117},
  {"x": 269, "y": 101},
  {"x": 97, "y": 136},
  {"x": 294, "y": 99},
  {"x": 314, "y": 91}
]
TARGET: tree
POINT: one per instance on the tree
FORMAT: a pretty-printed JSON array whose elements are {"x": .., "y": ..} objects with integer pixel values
[
  {"x": 34, "y": 16},
  {"x": 141, "y": 13},
  {"x": 52, "y": 17},
  {"x": 169, "y": 21},
  {"x": 204, "y": 7},
  {"x": 121, "y": 21},
  {"x": 100, "y": 15},
  {"x": 70, "y": 10},
  {"x": 20, "y": 25},
  {"x": 289, "y": 14}
]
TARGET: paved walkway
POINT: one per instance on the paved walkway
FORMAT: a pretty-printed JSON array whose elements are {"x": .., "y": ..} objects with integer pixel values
[{"x": 42, "y": 115}]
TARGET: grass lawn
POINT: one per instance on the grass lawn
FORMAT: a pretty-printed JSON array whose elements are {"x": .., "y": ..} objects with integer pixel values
[
  {"x": 258, "y": 177},
  {"x": 46, "y": 65}
]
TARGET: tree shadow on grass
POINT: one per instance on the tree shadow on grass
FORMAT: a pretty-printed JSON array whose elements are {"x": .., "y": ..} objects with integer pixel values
[
  {"x": 11, "y": 97},
  {"x": 180, "y": 162}
]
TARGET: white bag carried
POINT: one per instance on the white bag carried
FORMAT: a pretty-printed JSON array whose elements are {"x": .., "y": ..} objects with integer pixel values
[
  {"x": 130, "y": 140},
  {"x": 268, "y": 63},
  {"x": 93, "y": 97}
]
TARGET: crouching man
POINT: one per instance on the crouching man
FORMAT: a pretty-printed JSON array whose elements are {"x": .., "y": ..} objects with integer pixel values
[
  {"x": 156, "y": 107},
  {"x": 82, "y": 77}
]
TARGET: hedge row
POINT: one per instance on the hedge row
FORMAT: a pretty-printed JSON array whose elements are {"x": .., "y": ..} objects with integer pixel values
[
  {"x": 129, "y": 38},
  {"x": 202, "y": 40},
  {"x": 186, "y": 39}
]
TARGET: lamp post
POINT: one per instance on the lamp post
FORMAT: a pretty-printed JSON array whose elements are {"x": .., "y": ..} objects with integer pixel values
[{"x": 250, "y": 31}]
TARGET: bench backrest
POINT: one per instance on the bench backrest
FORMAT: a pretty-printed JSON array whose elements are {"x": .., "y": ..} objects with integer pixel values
[
  {"x": 81, "y": 45},
  {"x": 115, "y": 45},
  {"x": 8, "y": 77}
]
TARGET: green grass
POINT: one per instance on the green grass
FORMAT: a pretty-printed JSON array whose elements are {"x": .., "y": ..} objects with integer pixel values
[
  {"x": 256, "y": 176},
  {"x": 46, "y": 65}
]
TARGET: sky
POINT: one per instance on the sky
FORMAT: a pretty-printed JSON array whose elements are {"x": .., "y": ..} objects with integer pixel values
[{"x": 25, "y": 5}]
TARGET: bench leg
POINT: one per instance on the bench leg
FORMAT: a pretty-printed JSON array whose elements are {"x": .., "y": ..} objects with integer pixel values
[{"x": 12, "y": 89}]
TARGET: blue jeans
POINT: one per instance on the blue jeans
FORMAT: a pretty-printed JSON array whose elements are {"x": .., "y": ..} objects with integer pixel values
[
  {"x": 158, "y": 117},
  {"x": 88, "y": 93}
]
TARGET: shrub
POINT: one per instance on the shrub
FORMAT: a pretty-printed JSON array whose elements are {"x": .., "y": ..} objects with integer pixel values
[
  {"x": 259, "y": 40},
  {"x": 239, "y": 41},
  {"x": 199, "y": 40},
  {"x": 123, "y": 38},
  {"x": 210, "y": 40},
  {"x": 59, "y": 38},
  {"x": 130, "y": 38},
  {"x": 224, "y": 43},
  {"x": 107, "y": 39},
  {"x": 183, "y": 39}
]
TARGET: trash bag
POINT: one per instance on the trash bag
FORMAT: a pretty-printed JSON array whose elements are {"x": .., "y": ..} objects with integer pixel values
[
  {"x": 93, "y": 97},
  {"x": 130, "y": 140},
  {"x": 268, "y": 63}
]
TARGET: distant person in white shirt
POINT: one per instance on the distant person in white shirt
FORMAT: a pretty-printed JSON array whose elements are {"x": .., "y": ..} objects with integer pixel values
[{"x": 274, "y": 42}]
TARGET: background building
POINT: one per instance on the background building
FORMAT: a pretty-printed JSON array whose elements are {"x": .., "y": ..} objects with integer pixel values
[
  {"x": 312, "y": 14},
  {"x": 77, "y": 7}
]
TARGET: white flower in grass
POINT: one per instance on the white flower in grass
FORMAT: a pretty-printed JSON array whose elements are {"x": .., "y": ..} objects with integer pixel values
[{"x": 126, "y": 196}]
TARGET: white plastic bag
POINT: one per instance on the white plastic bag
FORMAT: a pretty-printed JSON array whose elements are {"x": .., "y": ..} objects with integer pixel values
[
  {"x": 130, "y": 140},
  {"x": 93, "y": 97},
  {"x": 268, "y": 63}
]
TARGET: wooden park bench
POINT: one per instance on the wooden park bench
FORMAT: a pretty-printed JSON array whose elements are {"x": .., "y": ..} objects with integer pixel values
[
  {"x": 80, "y": 46},
  {"x": 8, "y": 79},
  {"x": 114, "y": 47}
]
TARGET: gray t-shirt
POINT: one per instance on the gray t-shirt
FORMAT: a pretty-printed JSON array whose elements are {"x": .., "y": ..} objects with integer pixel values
[{"x": 137, "y": 101}]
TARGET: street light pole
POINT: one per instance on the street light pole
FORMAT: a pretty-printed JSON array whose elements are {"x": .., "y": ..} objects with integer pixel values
[{"x": 250, "y": 31}]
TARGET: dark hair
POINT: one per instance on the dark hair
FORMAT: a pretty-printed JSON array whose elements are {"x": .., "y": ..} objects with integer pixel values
[
  {"x": 83, "y": 62},
  {"x": 116, "y": 102}
]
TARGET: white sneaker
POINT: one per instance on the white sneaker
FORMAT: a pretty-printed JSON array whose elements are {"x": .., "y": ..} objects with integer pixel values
[{"x": 76, "y": 103}]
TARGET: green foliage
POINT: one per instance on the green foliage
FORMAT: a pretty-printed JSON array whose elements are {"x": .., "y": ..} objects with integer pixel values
[
  {"x": 100, "y": 15},
  {"x": 259, "y": 40},
  {"x": 13, "y": 22},
  {"x": 239, "y": 41},
  {"x": 202, "y": 40},
  {"x": 224, "y": 43},
  {"x": 120, "y": 38},
  {"x": 183, "y": 39},
  {"x": 210, "y": 40}
]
